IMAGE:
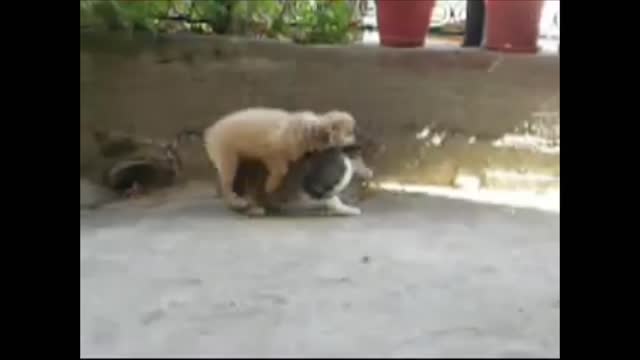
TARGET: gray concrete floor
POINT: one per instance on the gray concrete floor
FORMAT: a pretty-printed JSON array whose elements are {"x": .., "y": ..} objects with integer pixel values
[{"x": 413, "y": 276}]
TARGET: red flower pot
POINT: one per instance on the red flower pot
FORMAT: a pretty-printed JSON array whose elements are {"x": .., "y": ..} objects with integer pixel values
[
  {"x": 513, "y": 25},
  {"x": 404, "y": 23}
]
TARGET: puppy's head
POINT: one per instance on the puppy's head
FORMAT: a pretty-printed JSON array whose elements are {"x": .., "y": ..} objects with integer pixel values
[
  {"x": 337, "y": 128},
  {"x": 354, "y": 153}
]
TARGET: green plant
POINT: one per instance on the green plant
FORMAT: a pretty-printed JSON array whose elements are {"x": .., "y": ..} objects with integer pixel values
[
  {"x": 216, "y": 13},
  {"x": 327, "y": 21},
  {"x": 262, "y": 18},
  {"x": 303, "y": 21},
  {"x": 119, "y": 15}
]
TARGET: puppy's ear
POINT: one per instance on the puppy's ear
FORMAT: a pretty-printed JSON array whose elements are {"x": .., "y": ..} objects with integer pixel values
[
  {"x": 340, "y": 118},
  {"x": 323, "y": 136},
  {"x": 336, "y": 126},
  {"x": 317, "y": 137}
]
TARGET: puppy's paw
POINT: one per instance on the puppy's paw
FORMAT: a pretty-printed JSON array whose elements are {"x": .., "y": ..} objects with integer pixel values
[{"x": 237, "y": 203}]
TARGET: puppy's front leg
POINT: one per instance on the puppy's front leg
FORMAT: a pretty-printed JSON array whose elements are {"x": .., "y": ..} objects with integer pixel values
[
  {"x": 277, "y": 171},
  {"x": 335, "y": 206}
]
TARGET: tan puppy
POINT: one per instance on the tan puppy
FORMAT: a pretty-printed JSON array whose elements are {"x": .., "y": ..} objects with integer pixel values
[{"x": 274, "y": 137}]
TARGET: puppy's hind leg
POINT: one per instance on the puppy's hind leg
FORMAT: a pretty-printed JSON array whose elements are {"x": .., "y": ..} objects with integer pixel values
[
  {"x": 227, "y": 164},
  {"x": 335, "y": 206}
]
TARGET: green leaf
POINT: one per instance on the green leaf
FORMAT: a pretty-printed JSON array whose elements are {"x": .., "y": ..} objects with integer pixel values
[
  {"x": 111, "y": 14},
  {"x": 306, "y": 21},
  {"x": 216, "y": 12}
]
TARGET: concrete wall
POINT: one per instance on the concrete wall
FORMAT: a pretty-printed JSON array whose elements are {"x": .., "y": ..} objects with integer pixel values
[{"x": 467, "y": 99}]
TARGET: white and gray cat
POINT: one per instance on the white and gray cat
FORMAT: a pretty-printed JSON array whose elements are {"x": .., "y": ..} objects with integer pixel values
[{"x": 313, "y": 183}]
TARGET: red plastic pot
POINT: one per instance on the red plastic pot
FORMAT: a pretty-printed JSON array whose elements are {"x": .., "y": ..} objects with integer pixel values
[
  {"x": 404, "y": 23},
  {"x": 513, "y": 25}
]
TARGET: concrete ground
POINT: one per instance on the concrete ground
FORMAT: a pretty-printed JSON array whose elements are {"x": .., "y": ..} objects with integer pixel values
[{"x": 413, "y": 276}]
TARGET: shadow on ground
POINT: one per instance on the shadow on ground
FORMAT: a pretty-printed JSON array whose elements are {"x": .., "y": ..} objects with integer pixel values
[{"x": 413, "y": 276}]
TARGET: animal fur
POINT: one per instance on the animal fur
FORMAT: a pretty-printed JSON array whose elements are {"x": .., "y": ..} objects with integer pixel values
[
  {"x": 313, "y": 182},
  {"x": 274, "y": 137}
]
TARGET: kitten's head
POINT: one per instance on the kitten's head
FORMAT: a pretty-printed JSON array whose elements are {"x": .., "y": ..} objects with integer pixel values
[{"x": 354, "y": 153}]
